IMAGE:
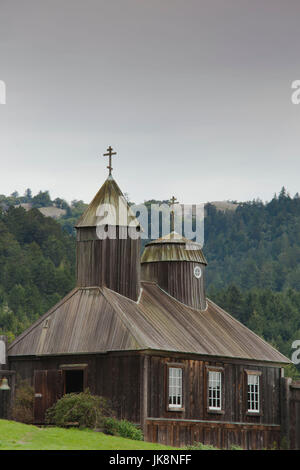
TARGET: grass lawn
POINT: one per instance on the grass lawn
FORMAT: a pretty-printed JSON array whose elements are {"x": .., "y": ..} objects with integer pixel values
[{"x": 18, "y": 436}]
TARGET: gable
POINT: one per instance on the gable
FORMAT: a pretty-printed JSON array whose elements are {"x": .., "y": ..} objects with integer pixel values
[{"x": 83, "y": 322}]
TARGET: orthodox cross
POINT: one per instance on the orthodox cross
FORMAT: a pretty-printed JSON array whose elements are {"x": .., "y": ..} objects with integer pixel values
[
  {"x": 109, "y": 154},
  {"x": 171, "y": 203}
]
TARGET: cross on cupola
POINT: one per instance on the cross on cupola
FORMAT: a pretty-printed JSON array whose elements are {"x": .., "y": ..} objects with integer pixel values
[
  {"x": 109, "y": 154},
  {"x": 172, "y": 202}
]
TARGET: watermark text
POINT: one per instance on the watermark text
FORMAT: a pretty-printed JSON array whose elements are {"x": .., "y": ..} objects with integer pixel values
[
  {"x": 150, "y": 221},
  {"x": 2, "y": 92}
]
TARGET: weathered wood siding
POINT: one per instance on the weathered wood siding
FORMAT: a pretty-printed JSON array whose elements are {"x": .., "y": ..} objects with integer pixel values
[
  {"x": 4, "y": 404},
  {"x": 114, "y": 263},
  {"x": 196, "y": 423},
  {"x": 294, "y": 404},
  {"x": 48, "y": 388},
  {"x": 177, "y": 278},
  {"x": 222, "y": 435},
  {"x": 136, "y": 384},
  {"x": 290, "y": 413},
  {"x": 115, "y": 376},
  {"x": 195, "y": 391}
]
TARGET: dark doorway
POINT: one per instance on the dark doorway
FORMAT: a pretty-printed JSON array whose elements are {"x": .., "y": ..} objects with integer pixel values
[{"x": 73, "y": 381}]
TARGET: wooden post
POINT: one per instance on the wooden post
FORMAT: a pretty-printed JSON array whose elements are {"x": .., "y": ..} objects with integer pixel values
[
  {"x": 285, "y": 409},
  {"x": 7, "y": 396},
  {"x": 3, "y": 352},
  {"x": 144, "y": 393}
]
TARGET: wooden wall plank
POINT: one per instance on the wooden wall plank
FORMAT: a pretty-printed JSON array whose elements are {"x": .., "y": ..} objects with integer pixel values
[{"x": 223, "y": 436}]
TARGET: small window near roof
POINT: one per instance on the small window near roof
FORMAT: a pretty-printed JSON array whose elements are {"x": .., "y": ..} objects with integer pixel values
[
  {"x": 175, "y": 387},
  {"x": 214, "y": 390},
  {"x": 253, "y": 393}
]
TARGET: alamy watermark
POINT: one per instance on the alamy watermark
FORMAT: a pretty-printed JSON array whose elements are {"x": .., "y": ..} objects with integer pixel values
[
  {"x": 2, "y": 352},
  {"x": 2, "y": 92},
  {"x": 295, "y": 98},
  {"x": 151, "y": 221},
  {"x": 296, "y": 354}
]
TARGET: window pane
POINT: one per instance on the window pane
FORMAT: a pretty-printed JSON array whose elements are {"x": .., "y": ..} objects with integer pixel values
[
  {"x": 175, "y": 387},
  {"x": 253, "y": 392},
  {"x": 214, "y": 390}
]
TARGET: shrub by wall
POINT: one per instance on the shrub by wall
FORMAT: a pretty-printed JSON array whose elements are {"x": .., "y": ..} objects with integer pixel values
[
  {"x": 122, "y": 428},
  {"x": 83, "y": 409},
  {"x": 22, "y": 409}
]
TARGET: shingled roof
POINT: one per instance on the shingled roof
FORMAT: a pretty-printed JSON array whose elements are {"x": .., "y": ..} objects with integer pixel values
[
  {"x": 112, "y": 199},
  {"x": 94, "y": 319},
  {"x": 173, "y": 247}
]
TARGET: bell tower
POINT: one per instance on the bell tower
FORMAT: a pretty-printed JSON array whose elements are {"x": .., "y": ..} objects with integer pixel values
[
  {"x": 177, "y": 265},
  {"x": 108, "y": 241}
]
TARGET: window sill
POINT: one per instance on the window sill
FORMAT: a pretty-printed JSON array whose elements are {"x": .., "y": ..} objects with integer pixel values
[
  {"x": 253, "y": 413},
  {"x": 176, "y": 409},
  {"x": 215, "y": 412}
]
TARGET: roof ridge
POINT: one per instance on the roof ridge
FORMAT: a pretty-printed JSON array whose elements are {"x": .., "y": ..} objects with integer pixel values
[{"x": 174, "y": 298}]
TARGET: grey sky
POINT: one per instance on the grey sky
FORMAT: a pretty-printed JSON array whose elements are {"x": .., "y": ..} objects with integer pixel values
[{"x": 194, "y": 95}]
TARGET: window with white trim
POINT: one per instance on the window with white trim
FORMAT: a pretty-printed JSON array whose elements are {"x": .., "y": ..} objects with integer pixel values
[
  {"x": 253, "y": 393},
  {"x": 175, "y": 387},
  {"x": 214, "y": 390}
]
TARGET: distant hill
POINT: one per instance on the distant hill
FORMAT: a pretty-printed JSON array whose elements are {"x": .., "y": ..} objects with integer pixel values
[
  {"x": 224, "y": 205},
  {"x": 67, "y": 214},
  {"x": 50, "y": 211},
  {"x": 56, "y": 213}
]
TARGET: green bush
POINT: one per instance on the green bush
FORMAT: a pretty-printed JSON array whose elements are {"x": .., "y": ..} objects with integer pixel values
[
  {"x": 122, "y": 428},
  {"x": 200, "y": 446},
  {"x": 22, "y": 409},
  {"x": 110, "y": 426},
  {"x": 83, "y": 409},
  {"x": 284, "y": 443}
]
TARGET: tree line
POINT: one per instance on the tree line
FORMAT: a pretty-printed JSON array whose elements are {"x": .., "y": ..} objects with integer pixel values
[
  {"x": 37, "y": 267},
  {"x": 253, "y": 256}
]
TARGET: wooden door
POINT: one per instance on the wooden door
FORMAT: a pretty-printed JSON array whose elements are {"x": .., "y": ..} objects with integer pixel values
[{"x": 48, "y": 388}]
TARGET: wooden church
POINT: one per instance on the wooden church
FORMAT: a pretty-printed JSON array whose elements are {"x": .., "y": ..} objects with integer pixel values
[{"x": 140, "y": 331}]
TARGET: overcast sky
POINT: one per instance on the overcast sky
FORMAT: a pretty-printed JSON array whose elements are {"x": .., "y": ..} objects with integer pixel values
[{"x": 194, "y": 95}]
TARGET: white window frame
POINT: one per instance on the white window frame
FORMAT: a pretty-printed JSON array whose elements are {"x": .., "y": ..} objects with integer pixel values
[
  {"x": 175, "y": 387},
  {"x": 215, "y": 390},
  {"x": 253, "y": 393}
]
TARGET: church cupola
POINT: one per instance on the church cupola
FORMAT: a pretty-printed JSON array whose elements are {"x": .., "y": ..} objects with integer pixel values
[
  {"x": 177, "y": 265},
  {"x": 108, "y": 242}
]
